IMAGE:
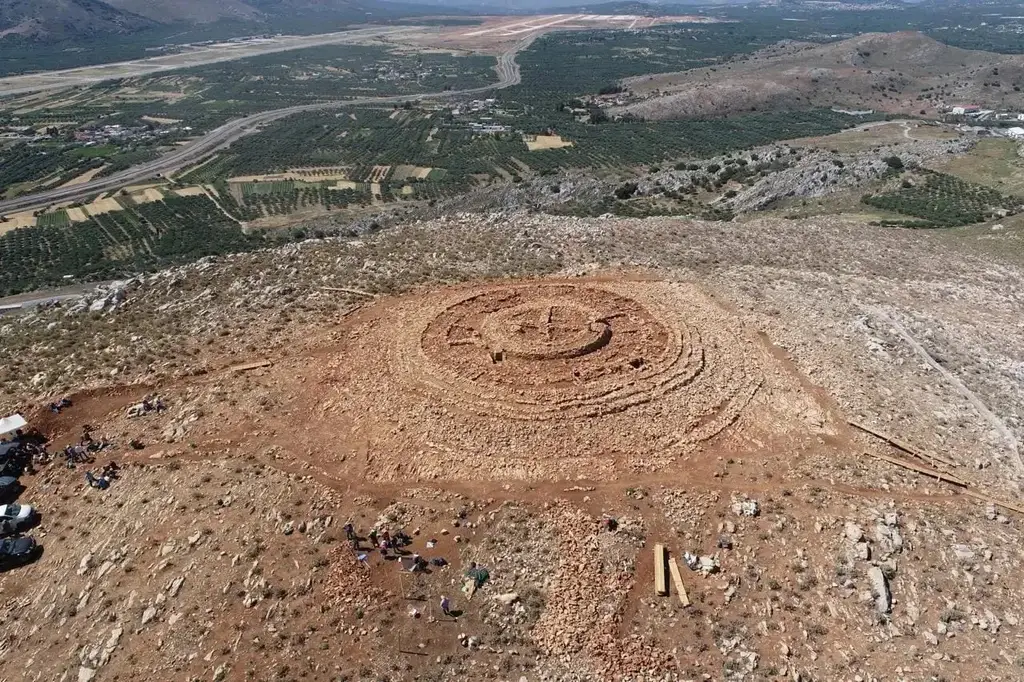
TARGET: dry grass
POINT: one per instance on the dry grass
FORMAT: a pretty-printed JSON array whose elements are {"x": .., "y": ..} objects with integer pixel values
[
  {"x": 405, "y": 172},
  {"x": 315, "y": 174},
  {"x": 17, "y": 220},
  {"x": 869, "y": 136},
  {"x": 161, "y": 121},
  {"x": 541, "y": 142},
  {"x": 101, "y": 206},
  {"x": 77, "y": 215},
  {"x": 84, "y": 177},
  {"x": 993, "y": 162}
]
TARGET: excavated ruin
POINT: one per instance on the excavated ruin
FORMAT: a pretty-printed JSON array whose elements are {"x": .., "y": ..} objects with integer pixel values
[{"x": 543, "y": 379}]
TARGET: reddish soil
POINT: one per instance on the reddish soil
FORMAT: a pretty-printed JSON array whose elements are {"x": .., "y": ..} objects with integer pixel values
[{"x": 501, "y": 422}]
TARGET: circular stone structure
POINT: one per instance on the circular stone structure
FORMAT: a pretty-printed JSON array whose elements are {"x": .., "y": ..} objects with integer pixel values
[
  {"x": 552, "y": 351},
  {"x": 540, "y": 379},
  {"x": 542, "y": 330}
]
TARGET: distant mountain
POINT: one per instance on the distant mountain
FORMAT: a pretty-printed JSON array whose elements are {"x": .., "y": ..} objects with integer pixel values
[
  {"x": 56, "y": 20},
  {"x": 187, "y": 11}
]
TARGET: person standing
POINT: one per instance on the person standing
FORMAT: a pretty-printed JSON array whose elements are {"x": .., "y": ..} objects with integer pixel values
[{"x": 446, "y": 606}]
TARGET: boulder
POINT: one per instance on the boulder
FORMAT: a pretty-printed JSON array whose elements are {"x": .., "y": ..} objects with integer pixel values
[{"x": 880, "y": 590}]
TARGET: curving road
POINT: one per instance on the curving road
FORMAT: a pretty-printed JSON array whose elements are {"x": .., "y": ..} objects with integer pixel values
[{"x": 508, "y": 75}]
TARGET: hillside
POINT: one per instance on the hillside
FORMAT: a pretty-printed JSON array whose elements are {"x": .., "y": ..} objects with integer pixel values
[
  {"x": 54, "y": 21},
  {"x": 62, "y": 19},
  {"x": 905, "y": 72},
  {"x": 300, "y": 398},
  {"x": 191, "y": 11}
]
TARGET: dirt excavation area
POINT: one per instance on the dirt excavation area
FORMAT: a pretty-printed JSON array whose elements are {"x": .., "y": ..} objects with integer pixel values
[{"x": 519, "y": 447}]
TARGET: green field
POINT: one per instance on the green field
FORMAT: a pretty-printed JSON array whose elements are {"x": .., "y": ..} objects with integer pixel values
[
  {"x": 178, "y": 229},
  {"x": 940, "y": 200},
  {"x": 461, "y": 156},
  {"x": 993, "y": 162},
  {"x": 55, "y": 219},
  {"x": 263, "y": 188},
  {"x": 98, "y": 151}
]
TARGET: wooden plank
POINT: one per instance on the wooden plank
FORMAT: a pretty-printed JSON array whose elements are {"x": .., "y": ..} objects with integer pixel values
[
  {"x": 346, "y": 290},
  {"x": 934, "y": 473},
  {"x": 660, "y": 579},
  {"x": 900, "y": 445},
  {"x": 677, "y": 580},
  {"x": 251, "y": 365},
  {"x": 998, "y": 503}
]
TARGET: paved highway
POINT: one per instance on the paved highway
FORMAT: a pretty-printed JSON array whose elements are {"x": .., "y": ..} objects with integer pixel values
[{"x": 508, "y": 75}]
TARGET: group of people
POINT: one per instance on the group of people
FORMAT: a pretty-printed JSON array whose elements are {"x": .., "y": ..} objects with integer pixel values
[
  {"x": 59, "y": 405},
  {"x": 82, "y": 453},
  {"x": 108, "y": 473},
  {"x": 383, "y": 540},
  {"x": 389, "y": 543},
  {"x": 151, "y": 403},
  {"x": 22, "y": 453},
  {"x": 30, "y": 451}
]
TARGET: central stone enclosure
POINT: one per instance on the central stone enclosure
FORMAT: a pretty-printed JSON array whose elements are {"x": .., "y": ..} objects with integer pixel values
[
  {"x": 542, "y": 351},
  {"x": 544, "y": 330},
  {"x": 540, "y": 379}
]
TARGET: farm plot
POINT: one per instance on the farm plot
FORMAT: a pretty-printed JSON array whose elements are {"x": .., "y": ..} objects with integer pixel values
[
  {"x": 941, "y": 200},
  {"x": 116, "y": 243},
  {"x": 266, "y": 188},
  {"x": 190, "y": 191},
  {"x": 541, "y": 142},
  {"x": 17, "y": 220},
  {"x": 453, "y": 154},
  {"x": 378, "y": 173},
  {"x": 407, "y": 172},
  {"x": 255, "y": 200},
  {"x": 55, "y": 219},
  {"x": 317, "y": 174}
]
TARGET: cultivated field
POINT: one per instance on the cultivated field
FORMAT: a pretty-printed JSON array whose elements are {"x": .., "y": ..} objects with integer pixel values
[{"x": 540, "y": 142}]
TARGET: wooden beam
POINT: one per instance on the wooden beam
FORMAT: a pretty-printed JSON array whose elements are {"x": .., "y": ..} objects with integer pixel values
[
  {"x": 660, "y": 579},
  {"x": 934, "y": 473},
  {"x": 677, "y": 580},
  {"x": 251, "y": 365},
  {"x": 900, "y": 445},
  {"x": 998, "y": 503},
  {"x": 346, "y": 290}
]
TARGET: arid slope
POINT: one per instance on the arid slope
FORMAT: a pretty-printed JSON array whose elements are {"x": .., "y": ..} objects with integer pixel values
[{"x": 903, "y": 72}]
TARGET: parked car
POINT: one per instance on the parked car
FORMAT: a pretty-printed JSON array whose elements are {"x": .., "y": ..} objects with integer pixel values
[
  {"x": 15, "y": 518},
  {"x": 14, "y": 551},
  {"x": 8, "y": 484},
  {"x": 10, "y": 467}
]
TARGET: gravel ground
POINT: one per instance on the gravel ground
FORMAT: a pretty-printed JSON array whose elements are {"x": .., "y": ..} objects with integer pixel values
[{"x": 219, "y": 554}]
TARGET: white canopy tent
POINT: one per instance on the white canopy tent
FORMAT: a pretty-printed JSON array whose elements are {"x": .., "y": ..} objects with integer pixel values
[{"x": 12, "y": 424}]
